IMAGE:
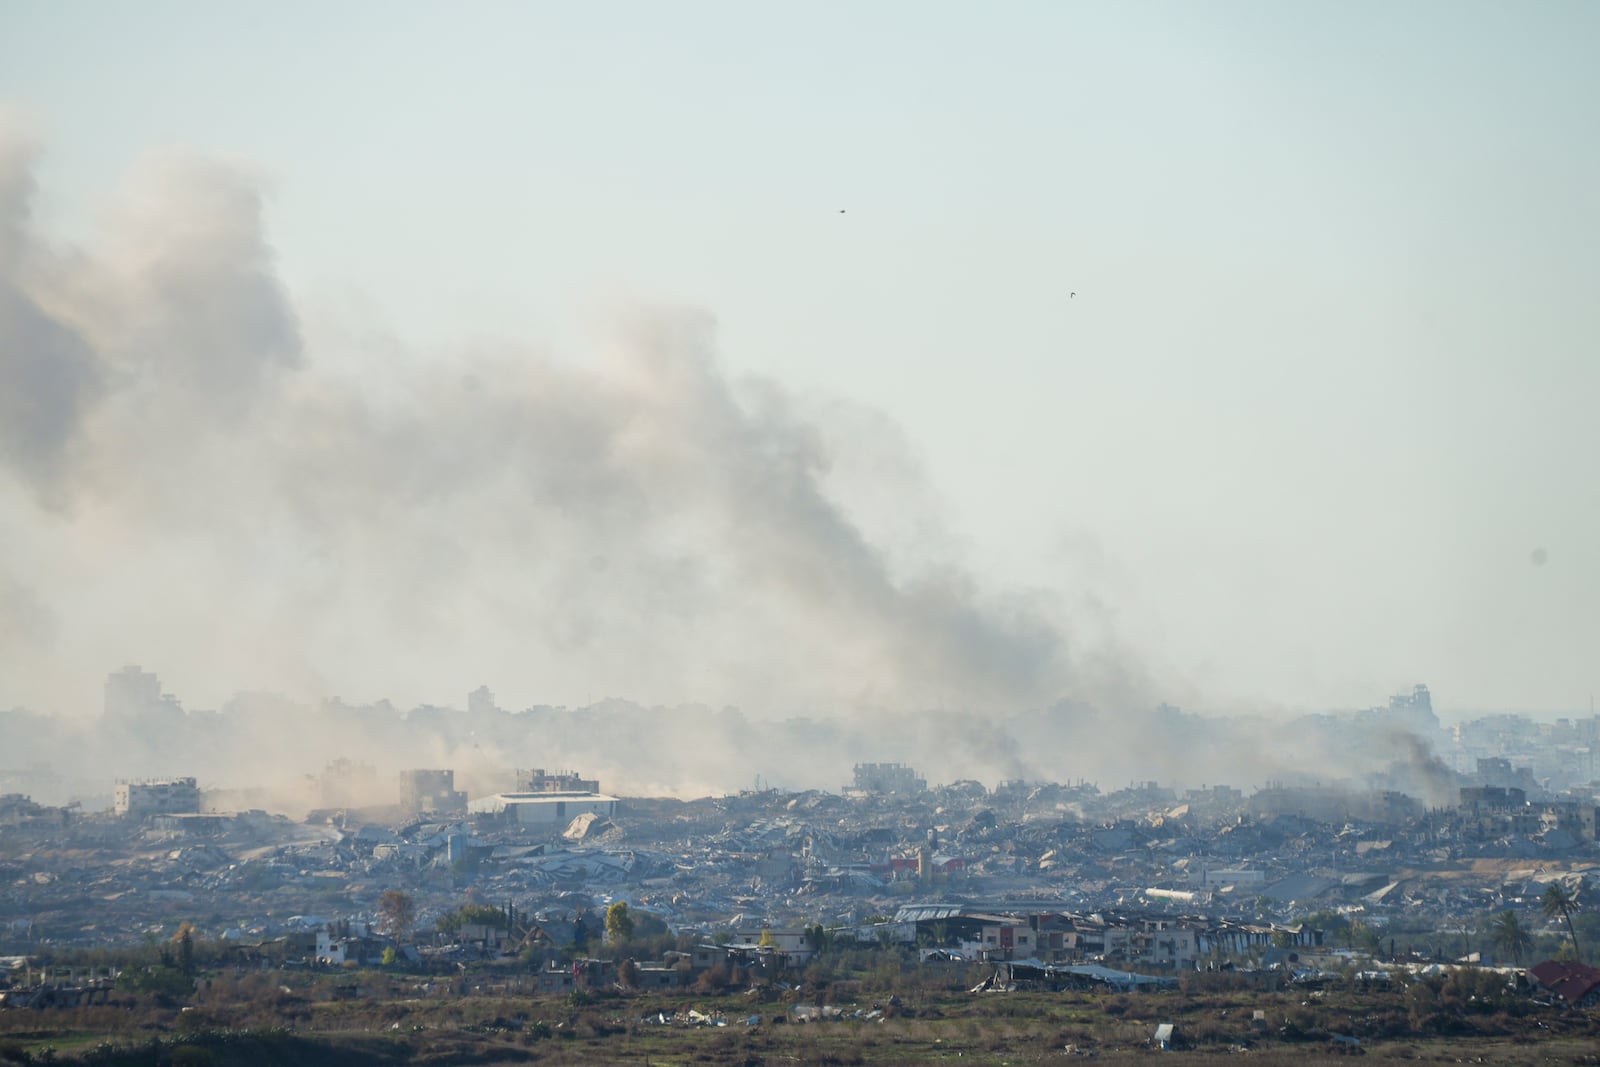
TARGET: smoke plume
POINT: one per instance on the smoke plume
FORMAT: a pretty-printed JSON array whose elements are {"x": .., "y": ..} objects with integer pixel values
[
  {"x": 186, "y": 483},
  {"x": 194, "y": 479}
]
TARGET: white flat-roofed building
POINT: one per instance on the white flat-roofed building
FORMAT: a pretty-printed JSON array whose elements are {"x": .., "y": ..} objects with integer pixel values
[{"x": 544, "y": 809}]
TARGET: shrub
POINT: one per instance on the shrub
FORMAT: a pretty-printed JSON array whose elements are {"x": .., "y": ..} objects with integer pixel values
[
  {"x": 193, "y": 1056},
  {"x": 159, "y": 980}
]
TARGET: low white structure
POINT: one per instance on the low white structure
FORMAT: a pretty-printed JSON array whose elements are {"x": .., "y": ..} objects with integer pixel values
[
  {"x": 1179, "y": 896},
  {"x": 544, "y": 809}
]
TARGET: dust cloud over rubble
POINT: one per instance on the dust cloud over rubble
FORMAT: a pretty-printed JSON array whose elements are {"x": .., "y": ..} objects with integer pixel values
[
  {"x": 188, "y": 480},
  {"x": 181, "y": 465}
]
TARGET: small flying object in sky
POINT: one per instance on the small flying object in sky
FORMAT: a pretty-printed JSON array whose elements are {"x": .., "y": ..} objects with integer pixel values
[{"x": 1072, "y": 294}]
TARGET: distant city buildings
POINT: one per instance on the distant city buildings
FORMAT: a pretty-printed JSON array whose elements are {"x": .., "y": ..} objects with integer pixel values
[
  {"x": 480, "y": 701},
  {"x": 1388, "y": 764},
  {"x": 1514, "y": 750},
  {"x": 133, "y": 693}
]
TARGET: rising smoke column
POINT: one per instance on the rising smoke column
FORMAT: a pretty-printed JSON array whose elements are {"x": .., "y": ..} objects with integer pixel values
[
  {"x": 188, "y": 481},
  {"x": 192, "y": 478}
]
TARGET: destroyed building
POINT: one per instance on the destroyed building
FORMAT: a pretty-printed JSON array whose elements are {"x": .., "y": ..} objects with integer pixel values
[
  {"x": 430, "y": 791},
  {"x": 539, "y": 781},
  {"x": 156, "y": 796},
  {"x": 345, "y": 784},
  {"x": 887, "y": 778}
]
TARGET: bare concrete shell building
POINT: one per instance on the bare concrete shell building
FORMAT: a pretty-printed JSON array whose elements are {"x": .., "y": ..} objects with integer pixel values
[
  {"x": 430, "y": 790},
  {"x": 887, "y": 778},
  {"x": 156, "y": 796}
]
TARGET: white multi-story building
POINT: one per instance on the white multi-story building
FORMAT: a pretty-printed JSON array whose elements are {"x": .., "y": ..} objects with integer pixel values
[{"x": 156, "y": 796}]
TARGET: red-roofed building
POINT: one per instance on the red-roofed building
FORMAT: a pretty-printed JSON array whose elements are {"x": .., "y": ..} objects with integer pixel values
[{"x": 1576, "y": 983}]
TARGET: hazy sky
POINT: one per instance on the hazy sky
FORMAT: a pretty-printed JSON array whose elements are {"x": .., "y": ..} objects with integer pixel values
[{"x": 1317, "y": 424}]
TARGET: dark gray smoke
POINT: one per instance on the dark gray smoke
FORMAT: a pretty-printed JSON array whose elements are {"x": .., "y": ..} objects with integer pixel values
[
  {"x": 48, "y": 373},
  {"x": 1418, "y": 771}
]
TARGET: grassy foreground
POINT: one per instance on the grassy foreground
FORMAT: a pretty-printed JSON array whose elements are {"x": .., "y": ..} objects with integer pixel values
[{"x": 380, "y": 1019}]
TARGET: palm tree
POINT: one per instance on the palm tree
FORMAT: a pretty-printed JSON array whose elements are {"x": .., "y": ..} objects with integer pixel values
[
  {"x": 1507, "y": 934},
  {"x": 1559, "y": 900}
]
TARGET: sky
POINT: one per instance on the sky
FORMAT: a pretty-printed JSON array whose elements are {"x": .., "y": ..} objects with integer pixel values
[{"x": 818, "y": 356}]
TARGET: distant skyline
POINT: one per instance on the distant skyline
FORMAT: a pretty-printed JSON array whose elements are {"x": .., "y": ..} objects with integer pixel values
[
  {"x": 723, "y": 352},
  {"x": 1447, "y": 716}
]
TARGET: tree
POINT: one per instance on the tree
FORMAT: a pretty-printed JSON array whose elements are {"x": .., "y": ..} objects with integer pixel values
[
  {"x": 159, "y": 980},
  {"x": 1559, "y": 900},
  {"x": 619, "y": 924},
  {"x": 1365, "y": 938},
  {"x": 580, "y": 935},
  {"x": 647, "y": 925},
  {"x": 1508, "y": 935},
  {"x": 185, "y": 939},
  {"x": 474, "y": 915},
  {"x": 397, "y": 914}
]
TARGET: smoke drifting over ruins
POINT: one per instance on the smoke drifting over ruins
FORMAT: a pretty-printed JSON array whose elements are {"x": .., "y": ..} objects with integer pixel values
[
  {"x": 191, "y": 482},
  {"x": 188, "y": 480}
]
